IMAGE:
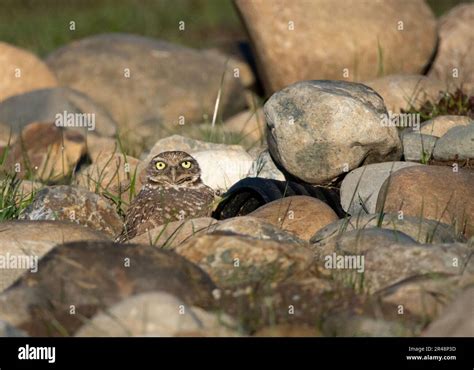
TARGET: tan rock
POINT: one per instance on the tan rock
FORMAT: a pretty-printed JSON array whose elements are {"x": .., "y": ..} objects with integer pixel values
[
  {"x": 440, "y": 125},
  {"x": 22, "y": 71},
  {"x": 248, "y": 124},
  {"x": 425, "y": 296},
  {"x": 406, "y": 91},
  {"x": 320, "y": 39},
  {"x": 47, "y": 151},
  {"x": 432, "y": 192},
  {"x": 457, "y": 320},
  {"x": 99, "y": 147},
  {"x": 300, "y": 215},
  {"x": 454, "y": 62}
]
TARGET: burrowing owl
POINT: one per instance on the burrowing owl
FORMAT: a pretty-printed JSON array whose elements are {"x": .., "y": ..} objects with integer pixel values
[{"x": 173, "y": 191}]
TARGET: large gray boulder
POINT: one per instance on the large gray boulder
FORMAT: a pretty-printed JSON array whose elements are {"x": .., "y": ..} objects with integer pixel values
[{"x": 318, "y": 130}]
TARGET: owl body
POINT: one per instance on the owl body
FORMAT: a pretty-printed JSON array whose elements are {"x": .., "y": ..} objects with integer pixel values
[{"x": 173, "y": 191}]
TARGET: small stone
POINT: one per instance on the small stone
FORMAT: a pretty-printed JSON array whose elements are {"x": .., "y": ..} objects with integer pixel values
[{"x": 456, "y": 144}]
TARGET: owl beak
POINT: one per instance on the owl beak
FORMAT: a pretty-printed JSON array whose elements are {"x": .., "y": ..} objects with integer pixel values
[{"x": 173, "y": 174}]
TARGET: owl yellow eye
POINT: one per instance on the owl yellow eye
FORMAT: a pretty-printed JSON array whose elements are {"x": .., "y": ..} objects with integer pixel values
[
  {"x": 186, "y": 164},
  {"x": 160, "y": 165}
]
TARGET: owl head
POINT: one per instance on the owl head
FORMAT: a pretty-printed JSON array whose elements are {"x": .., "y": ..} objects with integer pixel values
[{"x": 173, "y": 168}]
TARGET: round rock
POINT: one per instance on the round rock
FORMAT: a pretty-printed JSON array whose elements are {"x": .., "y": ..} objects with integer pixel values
[
  {"x": 317, "y": 130},
  {"x": 22, "y": 71},
  {"x": 300, "y": 215},
  {"x": 68, "y": 203},
  {"x": 437, "y": 193}
]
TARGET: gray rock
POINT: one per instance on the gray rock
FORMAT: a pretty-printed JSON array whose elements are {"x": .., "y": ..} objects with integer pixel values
[
  {"x": 43, "y": 106},
  {"x": 74, "y": 204},
  {"x": 319, "y": 129},
  {"x": 368, "y": 181},
  {"x": 457, "y": 320},
  {"x": 165, "y": 81},
  {"x": 457, "y": 143},
  {"x": 418, "y": 147},
  {"x": 264, "y": 167},
  {"x": 421, "y": 230}
]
